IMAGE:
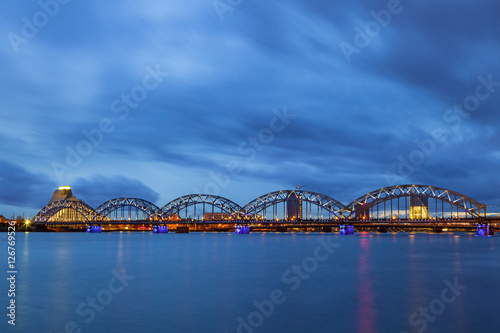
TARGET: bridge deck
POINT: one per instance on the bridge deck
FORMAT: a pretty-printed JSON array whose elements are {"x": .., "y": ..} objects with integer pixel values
[{"x": 270, "y": 225}]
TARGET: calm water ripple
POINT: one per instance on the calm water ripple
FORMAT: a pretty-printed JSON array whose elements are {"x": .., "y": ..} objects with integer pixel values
[{"x": 273, "y": 282}]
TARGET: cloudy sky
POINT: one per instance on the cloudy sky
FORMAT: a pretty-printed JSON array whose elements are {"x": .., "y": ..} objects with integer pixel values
[{"x": 158, "y": 99}]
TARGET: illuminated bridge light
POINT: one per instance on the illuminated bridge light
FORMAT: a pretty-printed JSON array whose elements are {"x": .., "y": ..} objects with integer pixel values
[
  {"x": 94, "y": 228},
  {"x": 483, "y": 230},
  {"x": 242, "y": 230},
  {"x": 160, "y": 229},
  {"x": 346, "y": 229}
]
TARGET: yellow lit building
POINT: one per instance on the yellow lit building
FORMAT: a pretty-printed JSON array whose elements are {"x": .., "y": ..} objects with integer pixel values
[
  {"x": 419, "y": 207},
  {"x": 64, "y": 193}
]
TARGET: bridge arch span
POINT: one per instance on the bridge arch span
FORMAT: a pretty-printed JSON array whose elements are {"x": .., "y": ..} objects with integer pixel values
[
  {"x": 114, "y": 205},
  {"x": 65, "y": 211},
  {"x": 220, "y": 208},
  {"x": 295, "y": 203},
  {"x": 416, "y": 201}
]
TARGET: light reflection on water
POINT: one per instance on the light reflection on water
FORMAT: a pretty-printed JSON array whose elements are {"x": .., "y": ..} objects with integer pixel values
[{"x": 202, "y": 282}]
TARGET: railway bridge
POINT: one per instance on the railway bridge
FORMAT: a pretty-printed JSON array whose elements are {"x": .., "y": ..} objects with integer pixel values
[{"x": 400, "y": 206}]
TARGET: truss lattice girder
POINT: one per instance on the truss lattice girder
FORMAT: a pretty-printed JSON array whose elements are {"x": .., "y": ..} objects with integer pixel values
[
  {"x": 222, "y": 204},
  {"x": 111, "y": 205},
  {"x": 461, "y": 201},
  {"x": 54, "y": 207},
  {"x": 258, "y": 205}
]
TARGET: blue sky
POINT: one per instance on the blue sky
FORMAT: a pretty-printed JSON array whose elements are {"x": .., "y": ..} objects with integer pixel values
[{"x": 158, "y": 99}]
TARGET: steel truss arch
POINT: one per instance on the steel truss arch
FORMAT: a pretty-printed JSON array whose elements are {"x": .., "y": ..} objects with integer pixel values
[
  {"x": 223, "y": 204},
  {"x": 78, "y": 206},
  {"x": 460, "y": 201},
  {"x": 257, "y": 206},
  {"x": 114, "y": 204}
]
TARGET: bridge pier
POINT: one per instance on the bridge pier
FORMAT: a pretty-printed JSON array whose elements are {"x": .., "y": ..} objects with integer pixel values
[
  {"x": 182, "y": 230},
  {"x": 438, "y": 230}
]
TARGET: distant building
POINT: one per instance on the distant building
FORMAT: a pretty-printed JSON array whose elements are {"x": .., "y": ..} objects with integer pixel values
[
  {"x": 294, "y": 207},
  {"x": 419, "y": 207},
  {"x": 361, "y": 212},
  {"x": 64, "y": 193},
  {"x": 216, "y": 216}
]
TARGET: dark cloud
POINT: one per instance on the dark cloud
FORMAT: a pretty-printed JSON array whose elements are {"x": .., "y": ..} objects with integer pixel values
[
  {"x": 23, "y": 188},
  {"x": 99, "y": 189},
  {"x": 354, "y": 121}
]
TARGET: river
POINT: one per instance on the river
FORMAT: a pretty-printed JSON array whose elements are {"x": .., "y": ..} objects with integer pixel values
[{"x": 262, "y": 282}]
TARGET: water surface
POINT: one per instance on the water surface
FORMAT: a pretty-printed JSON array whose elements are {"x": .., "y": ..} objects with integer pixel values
[{"x": 262, "y": 282}]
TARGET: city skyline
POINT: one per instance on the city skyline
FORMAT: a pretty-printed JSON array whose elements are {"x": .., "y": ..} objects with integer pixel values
[{"x": 165, "y": 99}]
